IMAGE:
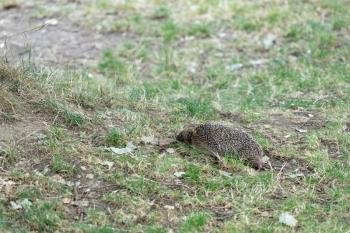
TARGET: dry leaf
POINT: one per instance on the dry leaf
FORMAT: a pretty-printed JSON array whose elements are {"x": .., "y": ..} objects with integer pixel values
[
  {"x": 130, "y": 147},
  {"x": 224, "y": 173},
  {"x": 169, "y": 207},
  {"x": 170, "y": 150},
  {"x": 58, "y": 179},
  {"x": 66, "y": 200},
  {"x": 15, "y": 206}
]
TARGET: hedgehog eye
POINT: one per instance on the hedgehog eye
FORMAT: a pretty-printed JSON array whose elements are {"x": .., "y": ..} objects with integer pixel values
[
  {"x": 189, "y": 137},
  {"x": 189, "y": 140}
]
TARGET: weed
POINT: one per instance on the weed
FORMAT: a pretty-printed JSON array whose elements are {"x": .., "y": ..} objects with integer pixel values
[
  {"x": 42, "y": 216},
  {"x": 114, "y": 138},
  {"x": 60, "y": 165},
  {"x": 200, "y": 29},
  {"x": 202, "y": 109},
  {"x": 195, "y": 222},
  {"x": 68, "y": 117}
]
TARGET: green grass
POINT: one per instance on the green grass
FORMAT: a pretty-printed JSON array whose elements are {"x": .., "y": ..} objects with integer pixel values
[{"x": 175, "y": 65}]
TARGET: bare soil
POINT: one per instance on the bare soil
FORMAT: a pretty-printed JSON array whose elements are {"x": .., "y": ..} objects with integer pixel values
[{"x": 53, "y": 41}]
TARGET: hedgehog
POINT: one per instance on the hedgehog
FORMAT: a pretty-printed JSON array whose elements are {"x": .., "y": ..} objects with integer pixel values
[{"x": 220, "y": 140}]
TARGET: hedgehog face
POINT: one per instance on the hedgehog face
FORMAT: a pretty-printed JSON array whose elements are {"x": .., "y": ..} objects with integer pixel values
[{"x": 185, "y": 136}]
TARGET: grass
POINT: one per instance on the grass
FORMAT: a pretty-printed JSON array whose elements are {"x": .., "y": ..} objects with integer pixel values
[{"x": 176, "y": 64}]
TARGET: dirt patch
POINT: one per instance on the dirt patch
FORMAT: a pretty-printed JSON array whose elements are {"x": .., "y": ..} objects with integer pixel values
[
  {"x": 55, "y": 41},
  {"x": 21, "y": 131},
  {"x": 296, "y": 166},
  {"x": 296, "y": 122}
]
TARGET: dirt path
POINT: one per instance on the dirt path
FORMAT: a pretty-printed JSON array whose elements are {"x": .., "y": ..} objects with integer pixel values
[{"x": 53, "y": 41}]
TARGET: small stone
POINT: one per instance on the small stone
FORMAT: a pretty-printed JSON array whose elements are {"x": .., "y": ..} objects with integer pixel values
[{"x": 90, "y": 176}]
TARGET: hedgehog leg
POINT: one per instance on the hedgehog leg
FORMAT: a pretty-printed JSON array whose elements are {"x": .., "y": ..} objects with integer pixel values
[{"x": 217, "y": 156}]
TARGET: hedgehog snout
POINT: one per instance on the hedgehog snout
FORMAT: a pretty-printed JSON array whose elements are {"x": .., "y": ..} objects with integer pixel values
[{"x": 180, "y": 137}]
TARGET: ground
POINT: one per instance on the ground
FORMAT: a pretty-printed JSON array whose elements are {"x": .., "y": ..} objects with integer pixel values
[{"x": 80, "y": 79}]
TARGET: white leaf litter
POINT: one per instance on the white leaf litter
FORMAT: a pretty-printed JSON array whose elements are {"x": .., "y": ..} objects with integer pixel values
[
  {"x": 149, "y": 140},
  {"x": 235, "y": 66},
  {"x": 25, "y": 203},
  {"x": 288, "y": 219},
  {"x": 51, "y": 22},
  {"x": 15, "y": 206},
  {"x": 224, "y": 173},
  {"x": 258, "y": 62},
  {"x": 179, "y": 174},
  {"x": 170, "y": 150},
  {"x": 58, "y": 179},
  {"x": 269, "y": 41},
  {"x": 301, "y": 130},
  {"x": 296, "y": 175},
  {"x": 128, "y": 149},
  {"x": 169, "y": 207},
  {"x": 252, "y": 63}
]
